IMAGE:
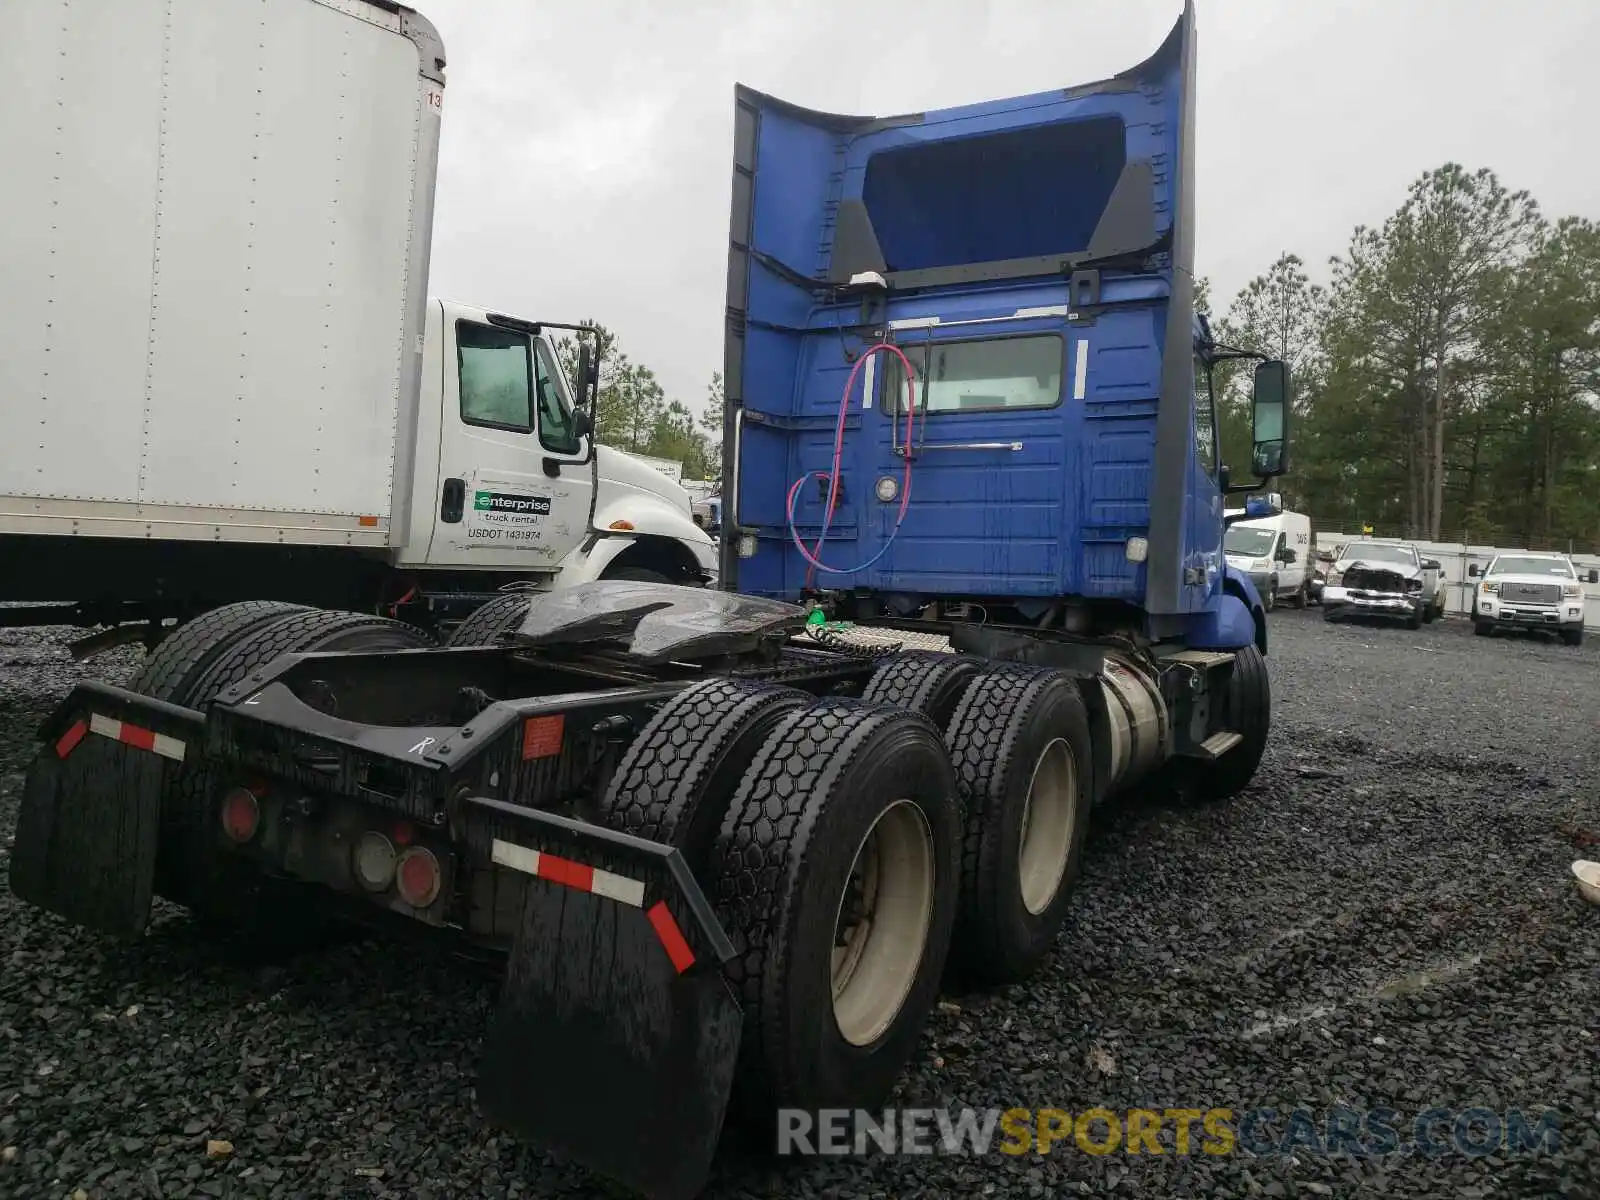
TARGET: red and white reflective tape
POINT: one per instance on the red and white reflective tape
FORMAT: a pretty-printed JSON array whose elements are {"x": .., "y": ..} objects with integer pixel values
[
  {"x": 584, "y": 878},
  {"x": 120, "y": 731}
]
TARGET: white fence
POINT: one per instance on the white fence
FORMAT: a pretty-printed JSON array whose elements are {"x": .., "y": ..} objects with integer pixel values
[{"x": 1456, "y": 557}]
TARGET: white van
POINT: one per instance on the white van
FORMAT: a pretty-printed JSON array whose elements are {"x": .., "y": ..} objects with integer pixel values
[{"x": 1276, "y": 553}]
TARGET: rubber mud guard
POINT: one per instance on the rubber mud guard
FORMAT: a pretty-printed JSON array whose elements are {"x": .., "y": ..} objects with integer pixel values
[
  {"x": 90, "y": 820},
  {"x": 616, "y": 1036}
]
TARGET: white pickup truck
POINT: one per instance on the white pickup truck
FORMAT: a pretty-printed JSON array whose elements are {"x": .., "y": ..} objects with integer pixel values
[
  {"x": 1372, "y": 578},
  {"x": 221, "y": 373},
  {"x": 1530, "y": 590}
]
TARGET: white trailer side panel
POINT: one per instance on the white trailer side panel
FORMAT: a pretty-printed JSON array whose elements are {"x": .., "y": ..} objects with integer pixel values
[{"x": 213, "y": 265}]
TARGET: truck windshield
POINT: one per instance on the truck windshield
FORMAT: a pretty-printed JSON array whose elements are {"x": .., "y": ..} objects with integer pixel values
[
  {"x": 993, "y": 375},
  {"x": 1251, "y": 542},
  {"x": 1511, "y": 565},
  {"x": 1377, "y": 552}
]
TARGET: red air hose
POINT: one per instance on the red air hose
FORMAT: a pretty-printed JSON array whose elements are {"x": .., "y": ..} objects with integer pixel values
[{"x": 813, "y": 556}]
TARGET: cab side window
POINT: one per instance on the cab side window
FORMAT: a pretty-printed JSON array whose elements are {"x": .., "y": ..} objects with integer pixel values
[
  {"x": 556, "y": 432},
  {"x": 495, "y": 367},
  {"x": 1205, "y": 418}
]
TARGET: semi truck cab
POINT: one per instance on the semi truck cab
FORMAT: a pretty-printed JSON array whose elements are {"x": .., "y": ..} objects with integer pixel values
[
  {"x": 1053, "y": 462},
  {"x": 508, "y": 475}
]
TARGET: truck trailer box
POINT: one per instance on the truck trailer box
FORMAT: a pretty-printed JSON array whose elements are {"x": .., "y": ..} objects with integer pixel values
[{"x": 214, "y": 267}]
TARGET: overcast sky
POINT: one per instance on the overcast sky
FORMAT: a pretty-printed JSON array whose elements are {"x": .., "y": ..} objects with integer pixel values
[{"x": 586, "y": 156}]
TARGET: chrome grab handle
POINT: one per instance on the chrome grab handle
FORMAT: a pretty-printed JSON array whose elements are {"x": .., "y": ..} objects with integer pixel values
[{"x": 1013, "y": 446}]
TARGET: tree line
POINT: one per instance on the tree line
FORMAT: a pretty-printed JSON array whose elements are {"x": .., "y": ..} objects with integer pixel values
[
  {"x": 633, "y": 412},
  {"x": 1446, "y": 373}
]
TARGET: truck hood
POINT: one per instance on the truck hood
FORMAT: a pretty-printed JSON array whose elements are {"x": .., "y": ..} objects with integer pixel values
[
  {"x": 1377, "y": 564},
  {"x": 618, "y": 471}
]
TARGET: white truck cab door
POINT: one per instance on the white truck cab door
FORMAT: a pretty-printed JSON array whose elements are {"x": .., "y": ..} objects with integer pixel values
[{"x": 516, "y": 481}]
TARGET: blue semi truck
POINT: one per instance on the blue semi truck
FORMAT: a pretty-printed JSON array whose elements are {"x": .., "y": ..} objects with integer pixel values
[{"x": 728, "y": 854}]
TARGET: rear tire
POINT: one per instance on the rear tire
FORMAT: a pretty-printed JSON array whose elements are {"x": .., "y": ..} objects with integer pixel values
[
  {"x": 1302, "y": 596},
  {"x": 829, "y": 1026},
  {"x": 1020, "y": 746},
  {"x": 925, "y": 681},
  {"x": 490, "y": 623},
  {"x": 1247, "y": 710},
  {"x": 678, "y": 777},
  {"x": 185, "y": 653}
]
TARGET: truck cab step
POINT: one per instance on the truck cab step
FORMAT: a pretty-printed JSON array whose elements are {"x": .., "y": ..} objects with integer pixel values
[
  {"x": 1200, "y": 658},
  {"x": 1219, "y": 743}
]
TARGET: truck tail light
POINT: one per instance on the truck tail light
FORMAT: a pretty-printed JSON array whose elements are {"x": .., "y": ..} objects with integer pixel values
[
  {"x": 417, "y": 877},
  {"x": 241, "y": 815},
  {"x": 374, "y": 861}
]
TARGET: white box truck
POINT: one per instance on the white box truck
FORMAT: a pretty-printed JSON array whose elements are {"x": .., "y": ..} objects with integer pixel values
[
  {"x": 1276, "y": 553},
  {"x": 221, "y": 374}
]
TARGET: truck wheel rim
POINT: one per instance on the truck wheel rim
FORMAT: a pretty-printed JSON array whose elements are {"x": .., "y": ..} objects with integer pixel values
[
  {"x": 881, "y": 929},
  {"x": 1049, "y": 817}
]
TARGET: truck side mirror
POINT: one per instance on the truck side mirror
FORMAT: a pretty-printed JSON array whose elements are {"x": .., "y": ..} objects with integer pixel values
[
  {"x": 1432, "y": 564},
  {"x": 1473, "y": 571},
  {"x": 582, "y": 423},
  {"x": 1289, "y": 555},
  {"x": 588, "y": 380},
  {"x": 1594, "y": 575},
  {"x": 1269, "y": 419}
]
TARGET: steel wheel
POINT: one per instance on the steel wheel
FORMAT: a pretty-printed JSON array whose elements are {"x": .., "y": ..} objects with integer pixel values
[
  {"x": 881, "y": 930},
  {"x": 1048, "y": 816}
]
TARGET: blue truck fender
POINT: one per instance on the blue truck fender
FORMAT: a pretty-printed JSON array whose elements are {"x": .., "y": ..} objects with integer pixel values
[{"x": 1238, "y": 619}]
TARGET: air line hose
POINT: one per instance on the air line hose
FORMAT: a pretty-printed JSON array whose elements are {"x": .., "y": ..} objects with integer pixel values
[{"x": 813, "y": 556}]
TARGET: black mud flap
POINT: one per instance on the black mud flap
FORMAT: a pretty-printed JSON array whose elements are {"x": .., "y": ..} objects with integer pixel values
[
  {"x": 91, "y": 806},
  {"x": 616, "y": 1037}
]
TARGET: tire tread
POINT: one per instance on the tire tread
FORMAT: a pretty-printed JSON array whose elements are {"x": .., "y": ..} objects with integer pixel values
[
  {"x": 188, "y": 650},
  {"x": 486, "y": 624},
  {"x": 762, "y": 851},
  {"x": 659, "y": 786}
]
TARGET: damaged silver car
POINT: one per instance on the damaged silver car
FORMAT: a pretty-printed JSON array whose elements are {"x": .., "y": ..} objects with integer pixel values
[{"x": 1382, "y": 579}]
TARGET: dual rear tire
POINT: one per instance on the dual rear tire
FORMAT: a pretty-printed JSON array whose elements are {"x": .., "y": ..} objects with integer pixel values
[{"x": 857, "y": 850}]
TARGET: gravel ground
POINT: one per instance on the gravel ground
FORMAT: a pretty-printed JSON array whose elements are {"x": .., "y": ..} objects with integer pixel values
[{"x": 1385, "y": 920}]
